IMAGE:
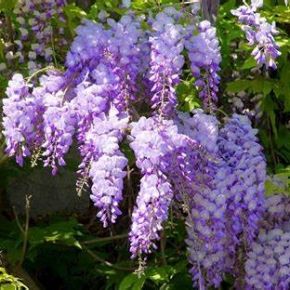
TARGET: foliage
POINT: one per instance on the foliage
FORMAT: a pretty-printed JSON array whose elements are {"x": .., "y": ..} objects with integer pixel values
[
  {"x": 9, "y": 282},
  {"x": 84, "y": 256}
]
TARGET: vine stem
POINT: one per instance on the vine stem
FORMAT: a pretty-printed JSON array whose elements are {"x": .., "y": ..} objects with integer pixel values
[
  {"x": 38, "y": 72},
  {"x": 24, "y": 229},
  {"x": 162, "y": 247},
  {"x": 9, "y": 28},
  {"x": 3, "y": 159},
  {"x": 105, "y": 239},
  {"x": 107, "y": 263},
  {"x": 222, "y": 111}
]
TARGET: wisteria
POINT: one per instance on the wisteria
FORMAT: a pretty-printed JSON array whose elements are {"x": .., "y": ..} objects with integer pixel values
[
  {"x": 268, "y": 262},
  {"x": 201, "y": 183},
  {"x": 106, "y": 164},
  {"x": 259, "y": 33},
  {"x": 116, "y": 101},
  {"x": 36, "y": 30},
  {"x": 58, "y": 126},
  {"x": 18, "y": 119},
  {"x": 267, "y": 265},
  {"x": 200, "y": 127},
  {"x": 277, "y": 211},
  {"x": 204, "y": 54},
  {"x": 166, "y": 62},
  {"x": 151, "y": 145},
  {"x": 239, "y": 147}
]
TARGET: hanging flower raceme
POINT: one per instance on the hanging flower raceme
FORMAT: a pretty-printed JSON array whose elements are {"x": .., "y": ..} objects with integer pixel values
[
  {"x": 126, "y": 57},
  {"x": 206, "y": 225},
  {"x": 166, "y": 62},
  {"x": 277, "y": 211},
  {"x": 108, "y": 56},
  {"x": 151, "y": 143},
  {"x": 59, "y": 123},
  {"x": 87, "y": 49},
  {"x": 240, "y": 149},
  {"x": 105, "y": 163},
  {"x": 200, "y": 127},
  {"x": 34, "y": 20},
  {"x": 259, "y": 33},
  {"x": 267, "y": 264},
  {"x": 200, "y": 180},
  {"x": 204, "y": 54},
  {"x": 21, "y": 110}
]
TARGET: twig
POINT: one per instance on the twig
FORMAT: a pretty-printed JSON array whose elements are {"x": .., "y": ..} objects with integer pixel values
[
  {"x": 105, "y": 239},
  {"x": 26, "y": 228},
  {"x": 9, "y": 28},
  {"x": 53, "y": 48},
  {"x": 158, "y": 4},
  {"x": 222, "y": 111},
  {"x": 17, "y": 220},
  {"x": 131, "y": 190},
  {"x": 3, "y": 159},
  {"x": 107, "y": 263},
  {"x": 39, "y": 71},
  {"x": 162, "y": 247},
  {"x": 271, "y": 142}
]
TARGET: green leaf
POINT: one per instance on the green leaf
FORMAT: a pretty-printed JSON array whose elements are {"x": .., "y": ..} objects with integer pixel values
[
  {"x": 8, "y": 282},
  {"x": 74, "y": 16},
  {"x": 281, "y": 187},
  {"x": 64, "y": 232},
  {"x": 228, "y": 6},
  {"x": 159, "y": 274},
  {"x": 258, "y": 85},
  {"x": 180, "y": 281},
  {"x": 8, "y": 287},
  {"x": 138, "y": 285},
  {"x": 249, "y": 63},
  {"x": 126, "y": 149},
  {"x": 283, "y": 137},
  {"x": 238, "y": 85},
  {"x": 7, "y": 5},
  {"x": 132, "y": 282},
  {"x": 187, "y": 96}
]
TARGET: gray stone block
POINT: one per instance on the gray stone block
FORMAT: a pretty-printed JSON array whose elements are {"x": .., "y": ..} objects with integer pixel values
[{"x": 50, "y": 194}]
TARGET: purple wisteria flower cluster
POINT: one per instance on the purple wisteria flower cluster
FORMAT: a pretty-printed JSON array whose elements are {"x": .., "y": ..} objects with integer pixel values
[
  {"x": 118, "y": 90},
  {"x": 268, "y": 262},
  {"x": 151, "y": 143},
  {"x": 167, "y": 43},
  {"x": 204, "y": 54},
  {"x": 107, "y": 163},
  {"x": 241, "y": 151},
  {"x": 18, "y": 121},
  {"x": 259, "y": 33},
  {"x": 36, "y": 37}
]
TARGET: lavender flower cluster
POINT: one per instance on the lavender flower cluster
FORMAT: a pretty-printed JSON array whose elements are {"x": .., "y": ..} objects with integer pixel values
[
  {"x": 18, "y": 121},
  {"x": 167, "y": 43},
  {"x": 35, "y": 36},
  {"x": 241, "y": 151},
  {"x": 268, "y": 262},
  {"x": 204, "y": 54},
  {"x": 151, "y": 143},
  {"x": 224, "y": 193},
  {"x": 259, "y": 33},
  {"x": 215, "y": 173},
  {"x": 34, "y": 20},
  {"x": 107, "y": 163}
]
